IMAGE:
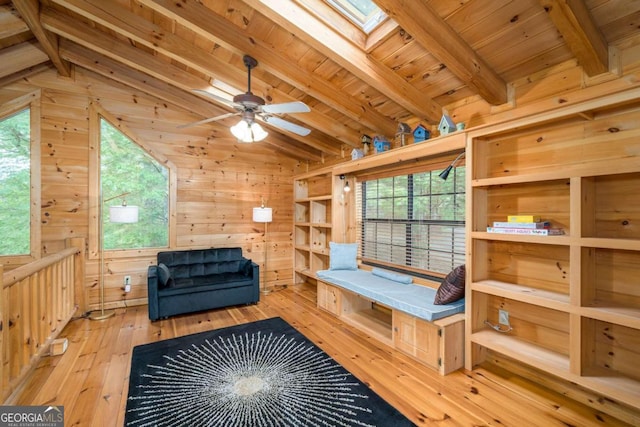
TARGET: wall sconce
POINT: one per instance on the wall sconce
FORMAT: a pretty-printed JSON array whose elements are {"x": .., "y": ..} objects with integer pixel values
[
  {"x": 445, "y": 173},
  {"x": 346, "y": 187}
]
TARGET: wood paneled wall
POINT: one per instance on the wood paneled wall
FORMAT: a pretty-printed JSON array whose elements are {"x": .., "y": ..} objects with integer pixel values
[{"x": 218, "y": 180}]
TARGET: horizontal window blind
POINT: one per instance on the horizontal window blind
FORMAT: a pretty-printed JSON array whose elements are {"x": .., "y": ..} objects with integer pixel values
[{"x": 413, "y": 221}]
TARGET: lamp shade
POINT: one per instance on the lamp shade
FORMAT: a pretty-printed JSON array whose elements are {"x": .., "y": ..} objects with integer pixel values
[
  {"x": 248, "y": 132},
  {"x": 123, "y": 214},
  {"x": 262, "y": 214}
]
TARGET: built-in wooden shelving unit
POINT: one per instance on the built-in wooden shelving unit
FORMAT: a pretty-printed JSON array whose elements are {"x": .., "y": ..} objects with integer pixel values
[
  {"x": 312, "y": 223},
  {"x": 573, "y": 300}
]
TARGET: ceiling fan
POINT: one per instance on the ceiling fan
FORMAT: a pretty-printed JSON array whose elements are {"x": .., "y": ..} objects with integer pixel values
[{"x": 250, "y": 107}]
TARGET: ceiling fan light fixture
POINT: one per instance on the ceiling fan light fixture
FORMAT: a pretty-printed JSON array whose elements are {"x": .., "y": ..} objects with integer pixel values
[{"x": 248, "y": 132}]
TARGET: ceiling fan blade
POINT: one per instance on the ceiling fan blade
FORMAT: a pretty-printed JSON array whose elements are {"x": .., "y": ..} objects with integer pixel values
[
  {"x": 283, "y": 124},
  {"x": 218, "y": 98},
  {"x": 209, "y": 120},
  {"x": 287, "y": 107}
]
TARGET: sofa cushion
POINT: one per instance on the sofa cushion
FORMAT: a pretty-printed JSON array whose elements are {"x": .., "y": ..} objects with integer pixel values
[
  {"x": 199, "y": 256},
  {"x": 246, "y": 267},
  {"x": 164, "y": 277},
  {"x": 206, "y": 284},
  {"x": 220, "y": 267}
]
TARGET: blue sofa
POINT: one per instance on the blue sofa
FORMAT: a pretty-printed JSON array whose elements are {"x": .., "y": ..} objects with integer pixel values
[{"x": 195, "y": 280}]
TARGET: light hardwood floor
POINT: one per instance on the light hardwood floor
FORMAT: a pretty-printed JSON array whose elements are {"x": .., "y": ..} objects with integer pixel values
[{"x": 91, "y": 378}]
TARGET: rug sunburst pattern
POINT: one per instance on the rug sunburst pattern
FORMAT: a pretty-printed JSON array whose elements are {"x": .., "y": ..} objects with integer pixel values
[{"x": 248, "y": 379}]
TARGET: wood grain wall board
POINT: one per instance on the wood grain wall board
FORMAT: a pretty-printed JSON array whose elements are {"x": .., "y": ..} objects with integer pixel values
[{"x": 64, "y": 163}]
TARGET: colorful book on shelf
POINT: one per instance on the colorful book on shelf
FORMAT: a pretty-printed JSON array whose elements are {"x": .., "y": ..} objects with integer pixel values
[
  {"x": 540, "y": 224},
  {"x": 523, "y": 218},
  {"x": 526, "y": 231}
]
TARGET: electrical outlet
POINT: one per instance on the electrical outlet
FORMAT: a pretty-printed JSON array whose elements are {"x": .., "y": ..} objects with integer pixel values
[
  {"x": 503, "y": 317},
  {"x": 127, "y": 288}
]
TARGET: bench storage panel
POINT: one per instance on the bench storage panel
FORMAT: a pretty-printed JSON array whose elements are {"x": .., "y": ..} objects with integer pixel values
[{"x": 438, "y": 344}]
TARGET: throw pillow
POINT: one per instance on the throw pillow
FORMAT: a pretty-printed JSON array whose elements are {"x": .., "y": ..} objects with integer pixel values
[
  {"x": 396, "y": 277},
  {"x": 246, "y": 267},
  {"x": 452, "y": 287},
  {"x": 164, "y": 277},
  {"x": 342, "y": 256}
]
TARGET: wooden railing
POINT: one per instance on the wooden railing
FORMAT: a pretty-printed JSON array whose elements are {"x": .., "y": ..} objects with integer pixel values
[{"x": 37, "y": 300}]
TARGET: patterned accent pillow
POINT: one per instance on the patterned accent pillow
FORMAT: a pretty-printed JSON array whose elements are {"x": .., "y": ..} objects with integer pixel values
[{"x": 452, "y": 287}]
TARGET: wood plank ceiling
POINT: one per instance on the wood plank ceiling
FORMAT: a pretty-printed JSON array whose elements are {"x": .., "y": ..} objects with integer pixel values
[{"x": 429, "y": 54}]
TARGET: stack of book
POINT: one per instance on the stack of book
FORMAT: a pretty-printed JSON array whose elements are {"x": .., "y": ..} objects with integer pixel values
[{"x": 525, "y": 224}]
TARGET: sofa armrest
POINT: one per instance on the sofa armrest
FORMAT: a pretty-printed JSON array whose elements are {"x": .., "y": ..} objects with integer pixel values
[
  {"x": 255, "y": 275},
  {"x": 152, "y": 291}
]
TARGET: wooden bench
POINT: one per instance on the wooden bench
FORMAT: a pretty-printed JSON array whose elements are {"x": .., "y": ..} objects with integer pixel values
[{"x": 398, "y": 314}]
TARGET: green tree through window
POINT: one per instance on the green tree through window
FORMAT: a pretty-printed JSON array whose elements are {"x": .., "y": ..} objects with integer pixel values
[
  {"x": 126, "y": 168},
  {"x": 15, "y": 184}
]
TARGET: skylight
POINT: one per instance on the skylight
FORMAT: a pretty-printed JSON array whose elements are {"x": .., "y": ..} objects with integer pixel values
[{"x": 364, "y": 13}]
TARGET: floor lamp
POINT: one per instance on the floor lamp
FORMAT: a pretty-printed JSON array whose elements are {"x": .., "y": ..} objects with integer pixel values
[
  {"x": 265, "y": 215},
  {"x": 121, "y": 214}
]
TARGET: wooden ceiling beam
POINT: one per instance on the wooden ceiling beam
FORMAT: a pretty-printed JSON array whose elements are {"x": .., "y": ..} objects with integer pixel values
[
  {"x": 146, "y": 63},
  {"x": 575, "y": 23},
  {"x": 140, "y": 30},
  {"x": 325, "y": 40},
  {"x": 29, "y": 11},
  {"x": 18, "y": 57},
  {"x": 197, "y": 17},
  {"x": 436, "y": 36}
]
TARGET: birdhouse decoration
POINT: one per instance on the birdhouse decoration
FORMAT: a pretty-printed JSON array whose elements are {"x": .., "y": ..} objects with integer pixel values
[
  {"x": 356, "y": 154},
  {"x": 380, "y": 143},
  {"x": 421, "y": 133},
  {"x": 366, "y": 144},
  {"x": 403, "y": 130},
  {"x": 446, "y": 125}
]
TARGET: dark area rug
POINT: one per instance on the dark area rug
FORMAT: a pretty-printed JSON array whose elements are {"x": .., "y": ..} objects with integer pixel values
[{"x": 262, "y": 373}]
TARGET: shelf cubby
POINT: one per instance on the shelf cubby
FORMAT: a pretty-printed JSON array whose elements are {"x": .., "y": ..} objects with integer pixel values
[
  {"x": 320, "y": 238},
  {"x": 301, "y": 236},
  {"x": 547, "y": 199},
  {"x": 528, "y": 265},
  {"x": 301, "y": 212},
  {"x": 321, "y": 211},
  {"x": 611, "y": 207},
  {"x": 610, "y": 350},
  {"x": 539, "y": 326},
  {"x": 610, "y": 280}
]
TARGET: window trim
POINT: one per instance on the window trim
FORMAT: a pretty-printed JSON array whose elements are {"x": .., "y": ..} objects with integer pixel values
[
  {"x": 333, "y": 19},
  {"x": 32, "y": 101},
  {"x": 96, "y": 112},
  {"x": 366, "y": 24}
]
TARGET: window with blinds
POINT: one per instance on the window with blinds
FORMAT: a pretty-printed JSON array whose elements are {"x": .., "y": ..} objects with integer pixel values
[{"x": 413, "y": 222}]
